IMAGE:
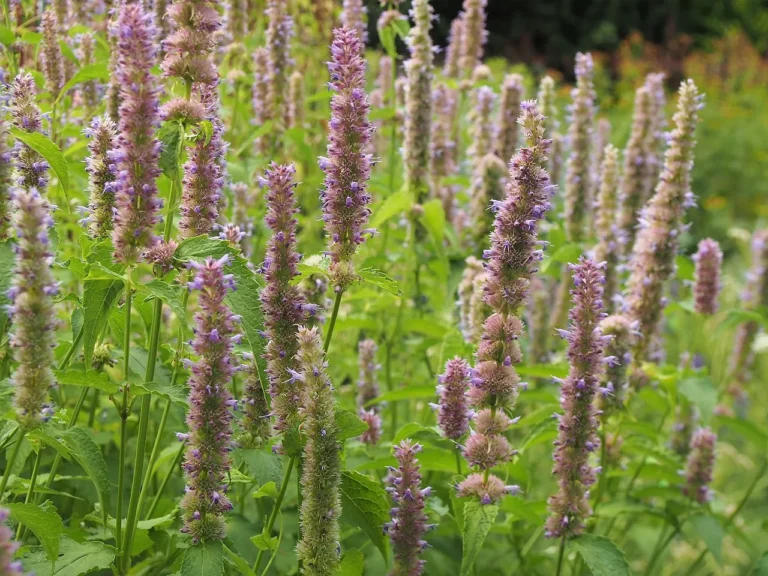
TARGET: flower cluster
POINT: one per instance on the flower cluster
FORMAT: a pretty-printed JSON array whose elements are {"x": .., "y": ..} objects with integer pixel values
[
  {"x": 453, "y": 411},
  {"x": 443, "y": 161},
  {"x": 8, "y": 567},
  {"x": 50, "y": 52},
  {"x": 453, "y": 52},
  {"x": 260, "y": 96},
  {"x": 481, "y": 126},
  {"x": 209, "y": 420},
  {"x": 296, "y": 100},
  {"x": 321, "y": 471},
  {"x": 6, "y": 182},
  {"x": 700, "y": 464},
  {"x": 418, "y": 102},
  {"x": 189, "y": 47},
  {"x": 86, "y": 53},
  {"x": 137, "y": 152},
  {"x": 353, "y": 17},
  {"x": 653, "y": 256},
  {"x": 486, "y": 190},
  {"x": 577, "y": 426},
  {"x": 706, "y": 287},
  {"x": 101, "y": 175},
  {"x": 161, "y": 254},
  {"x": 539, "y": 312},
  {"x": 409, "y": 519},
  {"x": 472, "y": 269},
  {"x": 473, "y": 35},
  {"x": 31, "y": 309},
  {"x": 256, "y": 428},
  {"x": 509, "y": 110},
  {"x": 348, "y": 165},
  {"x": 547, "y": 107},
  {"x": 577, "y": 177},
  {"x": 314, "y": 288},
  {"x": 657, "y": 138},
  {"x": 607, "y": 247},
  {"x": 279, "y": 35},
  {"x": 618, "y": 338},
  {"x": 368, "y": 389},
  {"x": 282, "y": 301},
  {"x": 31, "y": 168},
  {"x": 236, "y": 19},
  {"x": 686, "y": 421}
]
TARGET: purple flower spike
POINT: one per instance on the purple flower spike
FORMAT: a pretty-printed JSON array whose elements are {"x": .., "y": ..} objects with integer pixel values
[
  {"x": 653, "y": 255},
  {"x": 409, "y": 520},
  {"x": 50, "y": 52},
  {"x": 353, "y": 17},
  {"x": 577, "y": 437},
  {"x": 278, "y": 37},
  {"x": 367, "y": 385},
  {"x": 348, "y": 166},
  {"x": 101, "y": 175},
  {"x": 617, "y": 335},
  {"x": 486, "y": 491},
  {"x": 31, "y": 168},
  {"x": 321, "y": 472},
  {"x": 473, "y": 36},
  {"x": 607, "y": 247},
  {"x": 282, "y": 301},
  {"x": 136, "y": 155},
  {"x": 6, "y": 182},
  {"x": 453, "y": 415},
  {"x": 32, "y": 309},
  {"x": 706, "y": 287},
  {"x": 373, "y": 434},
  {"x": 700, "y": 464},
  {"x": 209, "y": 421},
  {"x": 509, "y": 109},
  {"x": 188, "y": 49},
  {"x": 8, "y": 567}
]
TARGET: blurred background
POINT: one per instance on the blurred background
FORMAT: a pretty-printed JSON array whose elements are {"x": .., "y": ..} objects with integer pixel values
[{"x": 722, "y": 44}]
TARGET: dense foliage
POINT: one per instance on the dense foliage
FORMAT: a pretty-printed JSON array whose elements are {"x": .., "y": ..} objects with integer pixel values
[{"x": 275, "y": 303}]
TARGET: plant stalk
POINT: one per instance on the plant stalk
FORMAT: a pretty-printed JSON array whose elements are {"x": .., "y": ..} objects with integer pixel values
[
  {"x": 276, "y": 509},
  {"x": 332, "y": 323},
  {"x": 11, "y": 461}
]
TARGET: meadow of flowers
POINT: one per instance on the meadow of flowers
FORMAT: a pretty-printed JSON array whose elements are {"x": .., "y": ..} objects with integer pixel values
[{"x": 277, "y": 303}]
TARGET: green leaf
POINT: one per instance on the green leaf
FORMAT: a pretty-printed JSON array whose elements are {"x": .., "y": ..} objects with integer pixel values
[
  {"x": 48, "y": 150},
  {"x": 7, "y": 265},
  {"x": 269, "y": 490},
  {"x": 87, "y": 379},
  {"x": 7, "y": 37},
  {"x": 378, "y": 278},
  {"x": 365, "y": 505},
  {"x": 264, "y": 542},
  {"x": 478, "y": 519},
  {"x": 709, "y": 529},
  {"x": 406, "y": 393},
  {"x": 414, "y": 430},
  {"x": 200, "y": 247},
  {"x": 349, "y": 425},
  {"x": 177, "y": 394},
  {"x": 75, "y": 559},
  {"x": 99, "y": 296},
  {"x": 238, "y": 562},
  {"x": 88, "y": 455},
  {"x": 547, "y": 371},
  {"x": 203, "y": 560},
  {"x": 743, "y": 428},
  {"x": 245, "y": 302},
  {"x": 352, "y": 564},
  {"x": 206, "y": 129},
  {"x": 395, "y": 204},
  {"x": 761, "y": 567},
  {"x": 171, "y": 294},
  {"x": 98, "y": 71},
  {"x": 170, "y": 135},
  {"x": 387, "y": 39},
  {"x": 601, "y": 555},
  {"x": 565, "y": 254},
  {"x": 263, "y": 466},
  {"x": 700, "y": 392},
  {"x": 44, "y": 523},
  {"x": 98, "y": 271}
]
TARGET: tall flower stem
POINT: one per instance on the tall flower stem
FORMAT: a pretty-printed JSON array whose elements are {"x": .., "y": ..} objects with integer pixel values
[
  {"x": 31, "y": 489},
  {"x": 276, "y": 508},
  {"x": 661, "y": 545},
  {"x": 165, "y": 481},
  {"x": 561, "y": 556},
  {"x": 124, "y": 409},
  {"x": 332, "y": 323},
  {"x": 11, "y": 461}
]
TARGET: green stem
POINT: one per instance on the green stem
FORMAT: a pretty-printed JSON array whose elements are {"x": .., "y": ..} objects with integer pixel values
[
  {"x": 11, "y": 461},
  {"x": 332, "y": 323},
  {"x": 276, "y": 509},
  {"x": 165, "y": 481},
  {"x": 124, "y": 409},
  {"x": 31, "y": 489},
  {"x": 560, "y": 556},
  {"x": 458, "y": 459},
  {"x": 661, "y": 545}
]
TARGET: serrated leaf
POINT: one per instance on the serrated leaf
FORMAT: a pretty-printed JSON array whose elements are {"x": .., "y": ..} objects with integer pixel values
[
  {"x": 478, "y": 519},
  {"x": 238, "y": 562},
  {"x": 352, "y": 564},
  {"x": 7, "y": 37},
  {"x": 405, "y": 393},
  {"x": 709, "y": 529},
  {"x": 171, "y": 294},
  {"x": 203, "y": 560},
  {"x": 394, "y": 204},
  {"x": 7, "y": 265},
  {"x": 75, "y": 559},
  {"x": 700, "y": 392},
  {"x": 263, "y": 466},
  {"x": 98, "y": 71},
  {"x": 87, "y": 379},
  {"x": 349, "y": 425},
  {"x": 44, "y": 523},
  {"x": 380, "y": 279},
  {"x": 600, "y": 554},
  {"x": 99, "y": 296},
  {"x": 565, "y": 254},
  {"x": 269, "y": 490},
  {"x": 170, "y": 135},
  {"x": 44, "y": 146},
  {"x": 88, "y": 455},
  {"x": 365, "y": 505},
  {"x": 264, "y": 542},
  {"x": 97, "y": 271},
  {"x": 177, "y": 394},
  {"x": 413, "y": 430}
]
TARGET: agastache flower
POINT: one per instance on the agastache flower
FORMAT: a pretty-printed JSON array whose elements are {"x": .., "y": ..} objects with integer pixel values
[
  {"x": 282, "y": 301},
  {"x": 367, "y": 385},
  {"x": 443, "y": 147},
  {"x": 189, "y": 47},
  {"x": 487, "y": 191},
  {"x": 481, "y": 127},
  {"x": 137, "y": 152},
  {"x": 418, "y": 101},
  {"x": 90, "y": 88},
  {"x": 453, "y": 411},
  {"x": 348, "y": 166},
  {"x": 473, "y": 268},
  {"x": 296, "y": 100},
  {"x": 653, "y": 256},
  {"x": 617, "y": 337},
  {"x": 260, "y": 96},
  {"x": 473, "y": 35},
  {"x": 278, "y": 37},
  {"x": 706, "y": 287},
  {"x": 577, "y": 428},
  {"x": 256, "y": 428},
  {"x": 353, "y": 17},
  {"x": 203, "y": 172},
  {"x": 754, "y": 296},
  {"x": 409, "y": 519},
  {"x": 602, "y": 138},
  {"x": 699, "y": 467},
  {"x": 686, "y": 421},
  {"x": 507, "y": 136},
  {"x": 8, "y": 567},
  {"x": 236, "y": 19},
  {"x": 314, "y": 288},
  {"x": 161, "y": 254},
  {"x": 50, "y": 52},
  {"x": 31, "y": 310},
  {"x": 6, "y": 182},
  {"x": 209, "y": 421},
  {"x": 607, "y": 249},
  {"x": 538, "y": 323},
  {"x": 487, "y": 491},
  {"x": 577, "y": 175},
  {"x": 657, "y": 138},
  {"x": 453, "y": 52},
  {"x": 373, "y": 420},
  {"x": 31, "y": 167},
  {"x": 321, "y": 471},
  {"x": 101, "y": 175},
  {"x": 548, "y": 109}
]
